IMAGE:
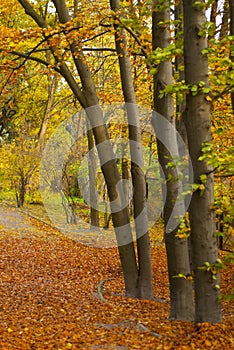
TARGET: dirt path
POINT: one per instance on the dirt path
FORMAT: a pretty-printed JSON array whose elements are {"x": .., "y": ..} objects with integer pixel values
[
  {"x": 34, "y": 221},
  {"x": 13, "y": 221}
]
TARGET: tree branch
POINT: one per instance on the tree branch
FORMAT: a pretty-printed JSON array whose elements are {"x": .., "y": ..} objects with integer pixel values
[
  {"x": 64, "y": 70},
  {"x": 98, "y": 49},
  {"x": 78, "y": 56},
  {"x": 96, "y": 36},
  {"x": 32, "y": 58},
  {"x": 29, "y": 10},
  {"x": 224, "y": 92},
  {"x": 136, "y": 39}
]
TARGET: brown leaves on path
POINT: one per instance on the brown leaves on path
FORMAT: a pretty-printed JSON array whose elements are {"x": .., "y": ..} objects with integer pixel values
[{"x": 49, "y": 300}]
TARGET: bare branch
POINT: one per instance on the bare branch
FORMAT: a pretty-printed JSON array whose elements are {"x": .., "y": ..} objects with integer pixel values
[
  {"x": 224, "y": 92},
  {"x": 136, "y": 39},
  {"x": 98, "y": 49},
  {"x": 29, "y": 10},
  {"x": 32, "y": 58},
  {"x": 96, "y": 36}
]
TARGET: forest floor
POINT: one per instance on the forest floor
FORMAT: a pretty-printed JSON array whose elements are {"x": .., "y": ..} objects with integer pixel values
[{"x": 49, "y": 296}]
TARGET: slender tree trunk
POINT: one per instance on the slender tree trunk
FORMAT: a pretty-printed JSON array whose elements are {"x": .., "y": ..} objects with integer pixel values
[
  {"x": 22, "y": 191},
  {"x": 179, "y": 64},
  {"x": 144, "y": 284},
  {"x": 107, "y": 159},
  {"x": 225, "y": 19},
  {"x": 181, "y": 300},
  {"x": 94, "y": 213},
  {"x": 198, "y": 125},
  {"x": 181, "y": 100},
  {"x": 213, "y": 17},
  {"x": 49, "y": 105},
  {"x": 213, "y": 12}
]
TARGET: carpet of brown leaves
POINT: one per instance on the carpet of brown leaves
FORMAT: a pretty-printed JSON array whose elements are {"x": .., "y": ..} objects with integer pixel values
[{"x": 49, "y": 300}]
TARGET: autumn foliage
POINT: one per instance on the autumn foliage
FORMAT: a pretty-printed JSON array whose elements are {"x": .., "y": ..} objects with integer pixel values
[
  {"x": 49, "y": 299},
  {"x": 56, "y": 293}
]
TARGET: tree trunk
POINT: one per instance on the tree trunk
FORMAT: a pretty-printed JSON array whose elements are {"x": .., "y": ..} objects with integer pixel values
[
  {"x": 50, "y": 100},
  {"x": 181, "y": 101},
  {"x": 179, "y": 63},
  {"x": 213, "y": 12},
  {"x": 225, "y": 18},
  {"x": 125, "y": 177},
  {"x": 144, "y": 283},
  {"x": 22, "y": 191},
  {"x": 213, "y": 17},
  {"x": 198, "y": 125},
  {"x": 88, "y": 99},
  {"x": 181, "y": 300},
  {"x": 107, "y": 158},
  {"x": 94, "y": 213}
]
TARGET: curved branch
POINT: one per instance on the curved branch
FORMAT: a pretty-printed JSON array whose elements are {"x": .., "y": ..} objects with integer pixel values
[
  {"x": 136, "y": 39},
  {"x": 64, "y": 70},
  {"x": 32, "y": 58}
]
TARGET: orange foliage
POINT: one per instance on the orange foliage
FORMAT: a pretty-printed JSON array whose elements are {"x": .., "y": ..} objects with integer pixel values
[{"x": 49, "y": 300}]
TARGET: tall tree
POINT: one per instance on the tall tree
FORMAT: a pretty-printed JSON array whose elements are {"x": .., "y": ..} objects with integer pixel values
[
  {"x": 145, "y": 289},
  {"x": 198, "y": 125},
  {"x": 181, "y": 300},
  {"x": 85, "y": 92}
]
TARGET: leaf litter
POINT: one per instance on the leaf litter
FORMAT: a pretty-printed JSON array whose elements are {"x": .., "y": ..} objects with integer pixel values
[{"x": 49, "y": 299}]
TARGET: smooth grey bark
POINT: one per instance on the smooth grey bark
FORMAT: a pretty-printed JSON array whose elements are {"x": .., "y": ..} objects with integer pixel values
[
  {"x": 87, "y": 97},
  {"x": 181, "y": 105},
  {"x": 198, "y": 125},
  {"x": 181, "y": 298},
  {"x": 144, "y": 282},
  {"x": 179, "y": 63}
]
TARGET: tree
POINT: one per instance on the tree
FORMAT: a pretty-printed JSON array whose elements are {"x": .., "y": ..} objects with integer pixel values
[
  {"x": 198, "y": 126},
  {"x": 177, "y": 248},
  {"x": 87, "y": 97},
  {"x": 78, "y": 41},
  {"x": 19, "y": 162},
  {"x": 138, "y": 177}
]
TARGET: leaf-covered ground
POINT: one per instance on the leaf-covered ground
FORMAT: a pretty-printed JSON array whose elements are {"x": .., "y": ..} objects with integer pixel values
[{"x": 49, "y": 298}]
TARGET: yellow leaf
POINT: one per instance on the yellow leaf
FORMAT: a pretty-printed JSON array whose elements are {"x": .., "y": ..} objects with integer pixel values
[
  {"x": 9, "y": 330},
  {"x": 208, "y": 343}
]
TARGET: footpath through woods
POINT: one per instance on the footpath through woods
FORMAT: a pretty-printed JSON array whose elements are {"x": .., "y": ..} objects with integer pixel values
[{"x": 49, "y": 297}]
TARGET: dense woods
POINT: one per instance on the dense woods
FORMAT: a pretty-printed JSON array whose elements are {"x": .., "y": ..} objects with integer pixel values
[{"x": 137, "y": 95}]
